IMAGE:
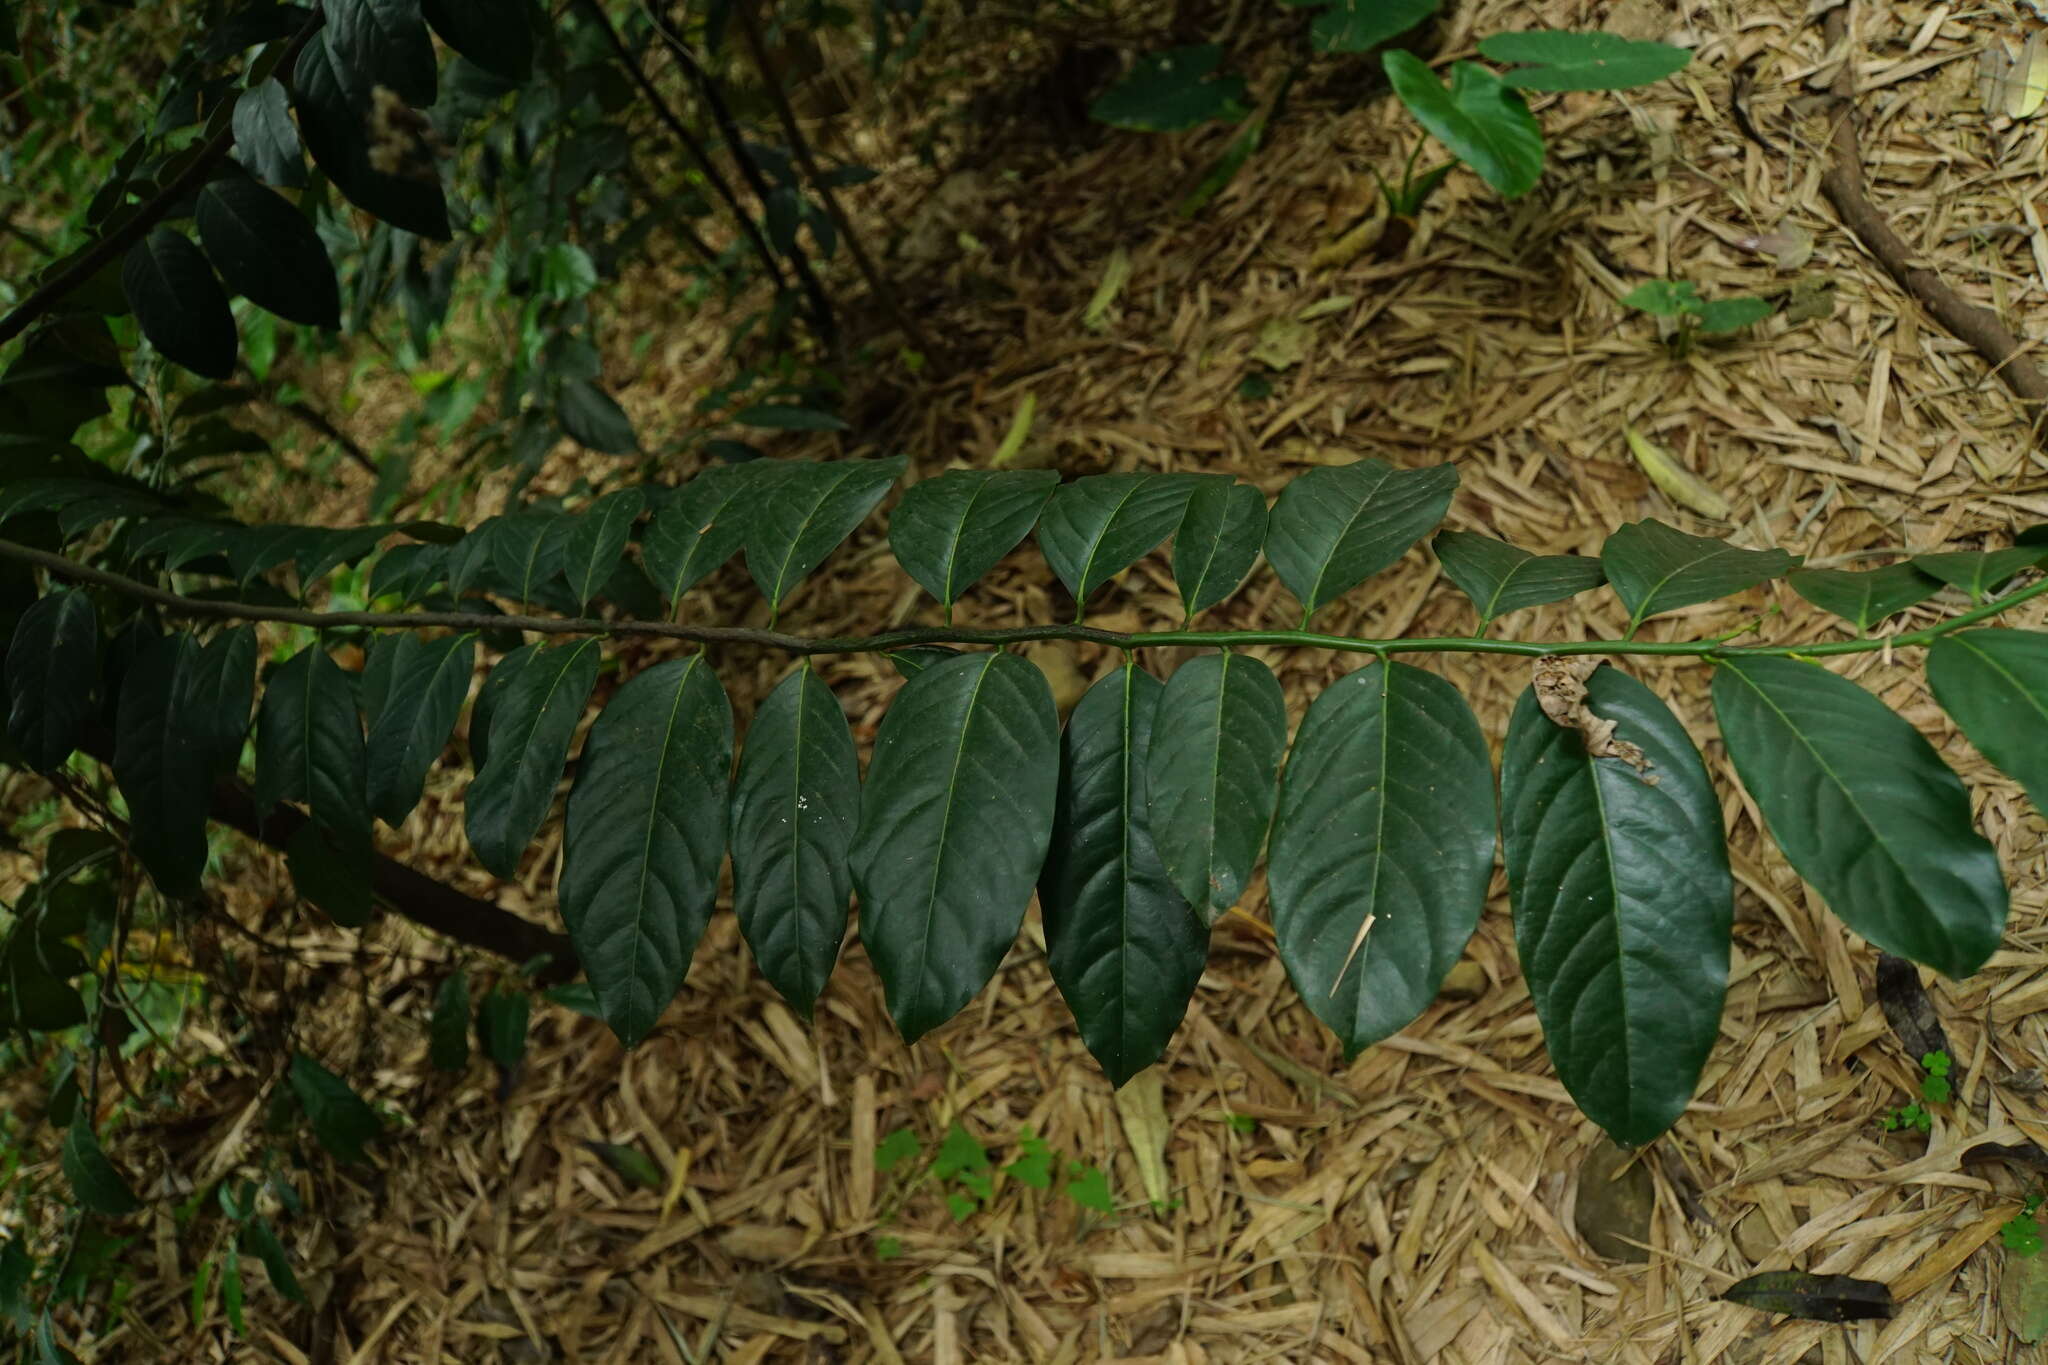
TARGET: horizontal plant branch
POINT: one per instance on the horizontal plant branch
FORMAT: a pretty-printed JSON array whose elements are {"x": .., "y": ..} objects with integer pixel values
[{"x": 192, "y": 608}]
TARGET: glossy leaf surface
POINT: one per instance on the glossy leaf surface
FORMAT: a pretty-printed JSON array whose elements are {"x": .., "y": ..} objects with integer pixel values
[
  {"x": 591, "y": 551},
  {"x": 1336, "y": 526},
  {"x": 1656, "y": 568},
  {"x": 309, "y": 744},
  {"x": 53, "y": 674},
  {"x": 532, "y": 723},
  {"x": 949, "y": 531},
  {"x": 1500, "y": 578},
  {"x": 1995, "y": 683},
  {"x": 1864, "y": 597},
  {"x": 1217, "y": 542},
  {"x": 1096, "y": 527},
  {"x": 1211, "y": 774},
  {"x": 410, "y": 726},
  {"x": 802, "y": 514}
]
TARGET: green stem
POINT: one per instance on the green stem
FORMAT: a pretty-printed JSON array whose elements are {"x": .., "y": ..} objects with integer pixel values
[{"x": 189, "y": 608}]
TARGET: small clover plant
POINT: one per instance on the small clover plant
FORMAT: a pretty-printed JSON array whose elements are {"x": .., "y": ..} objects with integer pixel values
[{"x": 1680, "y": 300}]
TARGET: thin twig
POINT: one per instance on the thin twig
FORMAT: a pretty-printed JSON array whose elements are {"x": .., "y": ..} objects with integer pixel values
[
  {"x": 190, "y": 608},
  {"x": 682, "y": 134},
  {"x": 148, "y": 214},
  {"x": 757, "y": 47},
  {"x": 728, "y": 128},
  {"x": 1984, "y": 331}
]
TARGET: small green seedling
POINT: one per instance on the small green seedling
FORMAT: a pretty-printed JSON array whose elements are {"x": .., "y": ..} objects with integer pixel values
[
  {"x": 1696, "y": 317},
  {"x": 962, "y": 1167},
  {"x": 2021, "y": 1235},
  {"x": 1934, "y": 1089}
]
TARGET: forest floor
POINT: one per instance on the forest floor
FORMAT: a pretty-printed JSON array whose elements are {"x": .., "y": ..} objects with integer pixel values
[{"x": 1421, "y": 1202}]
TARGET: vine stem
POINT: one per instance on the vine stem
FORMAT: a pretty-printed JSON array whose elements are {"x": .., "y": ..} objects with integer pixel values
[{"x": 192, "y": 608}]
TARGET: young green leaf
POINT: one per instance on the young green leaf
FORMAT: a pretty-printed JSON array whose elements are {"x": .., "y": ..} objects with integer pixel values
[
  {"x": 1166, "y": 92},
  {"x": 448, "y": 1031},
  {"x": 267, "y": 252},
  {"x": 1995, "y": 683},
  {"x": 699, "y": 527},
  {"x": 1623, "y": 902},
  {"x": 53, "y": 674},
  {"x": 1980, "y": 573},
  {"x": 1211, "y": 774},
  {"x": 258, "y": 1238},
  {"x": 1664, "y": 298},
  {"x": 501, "y": 1021},
  {"x": 266, "y": 140},
  {"x": 594, "y": 418},
  {"x": 497, "y": 685},
  {"x": 954, "y": 824},
  {"x": 1500, "y": 578},
  {"x": 178, "y": 303},
  {"x": 1361, "y": 25},
  {"x": 382, "y": 42},
  {"x": 309, "y": 745},
  {"x": 1337, "y": 525},
  {"x": 160, "y": 765},
  {"x": 1581, "y": 61},
  {"x": 531, "y": 725},
  {"x": 331, "y": 874},
  {"x": 1718, "y": 317},
  {"x": 1125, "y": 949},
  {"x": 1656, "y": 568},
  {"x": 410, "y": 726},
  {"x": 1217, "y": 541},
  {"x": 342, "y": 1121},
  {"x": 1382, "y": 848},
  {"x": 950, "y": 530},
  {"x": 597, "y": 539},
  {"x": 809, "y": 510},
  {"x": 1096, "y": 527},
  {"x": 645, "y": 835},
  {"x": 1863, "y": 599},
  {"x": 1480, "y": 118},
  {"x": 94, "y": 1179},
  {"x": 630, "y": 1164},
  {"x": 497, "y": 36},
  {"x": 796, "y": 803},
  {"x": 1864, "y": 809},
  {"x": 333, "y": 112}
]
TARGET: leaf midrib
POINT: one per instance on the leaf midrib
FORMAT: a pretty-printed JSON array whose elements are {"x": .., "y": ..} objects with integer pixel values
[
  {"x": 810, "y": 518},
  {"x": 652, "y": 817},
  {"x": 1323, "y": 570},
  {"x": 945, "y": 824}
]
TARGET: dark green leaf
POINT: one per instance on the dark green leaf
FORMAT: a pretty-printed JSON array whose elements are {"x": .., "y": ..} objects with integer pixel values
[
  {"x": 36, "y": 968},
  {"x": 334, "y": 114},
  {"x": 1338, "y": 525},
  {"x": 1864, "y": 809},
  {"x": 805, "y": 513},
  {"x": 1218, "y": 541},
  {"x": 178, "y": 303},
  {"x": 955, "y": 821},
  {"x": 181, "y": 540},
  {"x": 531, "y": 727},
  {"x": 266, "y": 140},
  {"x": 495, "y": 34},
  {"x": 16, "y": 1270},
  {"x": 1480, "y": 118},
  {"x": 325, "y": 550},
  {"x": 698, "y": 528},
  {"x": 630, "y": 1164},
  {"x": 525, "y": 551},
  {"x": 408, "y": 571},
  {"x": 255, "y": 550},
  {"x": 1215, "y": 756},
  {"x": 1500, "y": 578},
  {"x": 1125, "y": 949},
  {"x": 1382, "y": 848},
  {"x": 309, "y": 745},
  {"x": 1821, "y": 1298},
  {"x": 342, "y": 1121},
  {"x": 783, "y": 417},
  {"x": 795, "y": 805},
  {"x": 258, "y": 1238},
  {"x": 381, "y": 42},
  {"x": 597, "y": 539},
  {"x": 1980, "y": 573},
  {"x": 917, "y": 658},
  {"x": 1718, "y": 317},
  {"x": 53, "y": 674},
  {"x": 94, "y": 1179},
  {"x": 501, "y": 1026},
  {"x": 410, "y": 726},
  {"x": 1656, "y": 568},
  {"x": 1096, "y": 527},
  {"x": 1623, "y": 902},
  {"x": 950, "y": 530},
  {"x": 1864, "y": 599},
  {"x": 215, "y": 692},
  {"x": 645, "y": 835},
  {"x": 1582, "y": 61},
  {"x": 1166, "y": 92},
  {"x": 594, "y": 418},
  {"x": 448, "y": 1031},
  {"x": 160, "y": 764},
  {"x": 1361, "y": 25},
  {"x": 267, "y": 252},
  {"x": 1995, "y": 684},
  {"x": 330, "y": 873},
  {"x": 497, "y": 683}
]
